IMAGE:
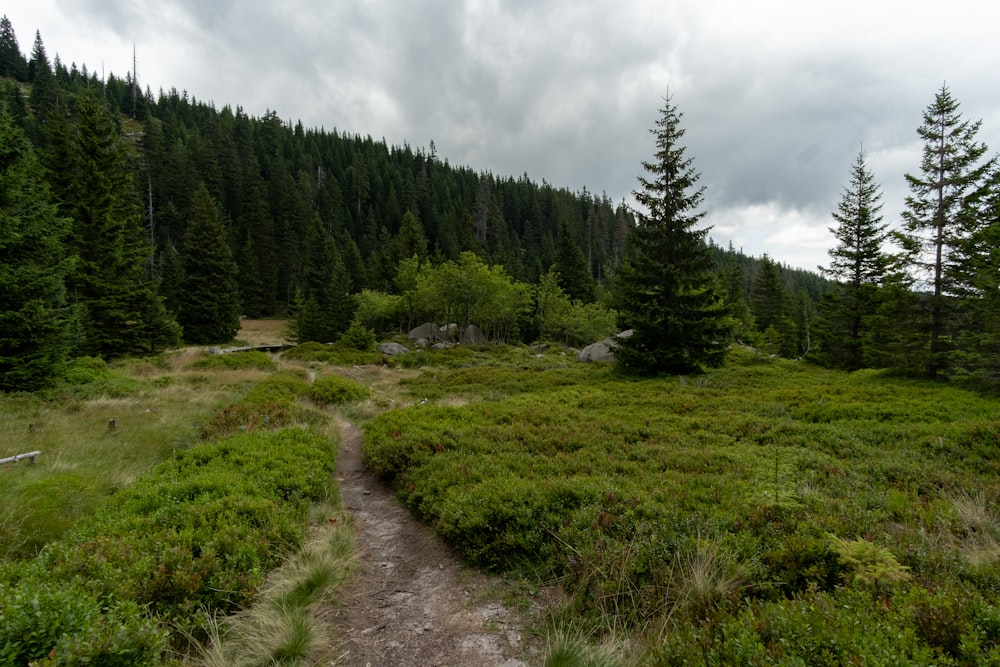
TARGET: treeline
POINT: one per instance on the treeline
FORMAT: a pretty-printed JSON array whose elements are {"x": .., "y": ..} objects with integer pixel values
[
  {"x": 165, "y": 211},
  {"x": 134, "y": 221}
]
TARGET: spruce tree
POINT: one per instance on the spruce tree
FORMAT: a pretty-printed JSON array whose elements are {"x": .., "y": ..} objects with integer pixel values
[
  {"x": 12, "y": 63},
  {"x": 209, "y": 301},
  {"x": 323, "y": 308},
  {"x": 667, "y": 292},
  {"x": 860, "y": 267},
  {"x": 772, "y": 309},
  {"x": 88, "y": 166},
  {"x": 35, "y": 319},
  {"x": 941, "y": 213},
  {"x": 571, "y": 266}
]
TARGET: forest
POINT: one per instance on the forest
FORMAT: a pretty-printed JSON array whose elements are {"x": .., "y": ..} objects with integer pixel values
[{"x": 135, "y": 221}]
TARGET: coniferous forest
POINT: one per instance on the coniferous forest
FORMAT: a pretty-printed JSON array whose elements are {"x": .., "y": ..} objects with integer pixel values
[{"x": 133, "y": 221}]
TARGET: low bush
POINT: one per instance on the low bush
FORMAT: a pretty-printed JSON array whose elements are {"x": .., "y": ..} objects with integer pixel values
[
  {"x": 335, "y": 390},
  {"x": 269, "y": 404},
  {"x": 252, "y": 359},
  {"x": 197, "y": 533},
  {"x": 336, "y": 354},
  {"x": 686, "y": 502}
]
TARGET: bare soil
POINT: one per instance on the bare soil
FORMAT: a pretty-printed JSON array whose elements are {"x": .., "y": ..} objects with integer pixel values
[{"x": 411, "y": 602}]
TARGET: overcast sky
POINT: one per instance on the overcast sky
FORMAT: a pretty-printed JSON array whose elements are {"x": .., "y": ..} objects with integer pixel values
[{"x": 778, "y": 97}]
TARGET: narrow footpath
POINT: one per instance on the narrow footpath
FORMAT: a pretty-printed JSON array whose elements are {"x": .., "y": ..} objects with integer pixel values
[{"x": 411, "y": 602}]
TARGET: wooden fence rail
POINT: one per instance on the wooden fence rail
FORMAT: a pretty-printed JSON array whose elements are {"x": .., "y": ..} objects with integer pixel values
[{"x": 31, "y": 456}]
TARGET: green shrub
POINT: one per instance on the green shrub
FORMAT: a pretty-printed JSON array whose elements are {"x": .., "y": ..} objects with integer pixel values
[
  {"x": 336, "y": 354},
  {"x": 269, "y": 404},
  {"x": 199, "y": 532},
  {"x": 252, "y": 359},
  {"x": 334, "y": 390},
  {"x": 358, "y": 337},
  {"x": 61, "y": 624}
]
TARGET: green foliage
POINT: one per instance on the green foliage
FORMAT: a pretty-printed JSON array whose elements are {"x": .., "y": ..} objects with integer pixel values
[
  {"x": 42, "y": 623},
  {"x": 237, "y": 361},
  {"x": 209, "y": 300},
  {"x": 335, "y": 389},
  {"x": 269, "y": 404},
  {"x": 941, "y": 216},
  {"x": 359, "y": 337},
  {"x": 869, "y": 564},
  {"x": 336, "y": 354},
  {"x": 861, "y": 266},
  {"x": 666, "y": 290},
  {"x": 35, "y": 319},
  {"x": 196, "y": 533},
  {"x": 92, "y": 180},
  {"x": 706, "y": 504}
]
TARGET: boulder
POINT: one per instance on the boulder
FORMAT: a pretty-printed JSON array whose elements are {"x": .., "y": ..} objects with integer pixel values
[
  {"x": 596, "y": 352},
  {"x": 443, "y": 345},
  {"x": 603, "y": 351},
  {"x": 427, "y": 331},
  {"x": 473, "y": 335},
  {"x": 392, "y": 349},
  {"x": 449, "y": 331}
]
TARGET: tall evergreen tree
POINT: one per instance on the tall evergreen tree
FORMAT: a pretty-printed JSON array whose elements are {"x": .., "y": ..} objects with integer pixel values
[
  {"x": 94, "y": 185},
  {"x": 35, "y": 319},
  {"x": 571, "y": 266},
  {"x": 771, "y": 308},
  {"x": 323, "y": 305},
  {"x": 12, "y": 62},
  {"x": 209, "y": 301},
  {"x": 859, "y": 265},
  {"x": 943, "y": 208},
  {"x": 44, "y": 87},
  {"x": 666, "y": 288}
]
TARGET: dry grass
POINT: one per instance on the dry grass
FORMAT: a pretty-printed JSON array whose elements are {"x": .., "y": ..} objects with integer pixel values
[{"x": 263, "y": 332}]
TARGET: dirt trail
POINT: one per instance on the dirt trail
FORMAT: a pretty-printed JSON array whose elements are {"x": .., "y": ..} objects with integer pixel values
[{"x": 411, "y": 603}]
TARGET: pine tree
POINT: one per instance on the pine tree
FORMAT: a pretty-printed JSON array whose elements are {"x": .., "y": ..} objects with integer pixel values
[
  {"x": 12, "y": 63},
  {"x": 859, "y": 265},
  {"x": 209, "y": 300},
  {"x": 35, "y": 319},
  {"x": 323, "y": 306},
  {"x": 941, "y": 213},
  {"x": 666, "y": 288},
  {"x": 44, "y": 87},
  {"x": 771, "y": 308},
  {"x": 88, "y": 166},
  {"x": 571, "y": 266}
]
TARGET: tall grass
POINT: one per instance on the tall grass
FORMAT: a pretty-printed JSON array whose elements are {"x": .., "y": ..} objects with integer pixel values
[{"x": 98, "y": 433}]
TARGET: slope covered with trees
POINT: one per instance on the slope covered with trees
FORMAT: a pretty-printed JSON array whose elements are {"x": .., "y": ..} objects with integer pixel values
[{"x": 333, "y": 227}]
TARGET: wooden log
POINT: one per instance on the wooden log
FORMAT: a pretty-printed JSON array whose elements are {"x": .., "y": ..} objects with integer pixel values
[{"x": 31, "y": 456}]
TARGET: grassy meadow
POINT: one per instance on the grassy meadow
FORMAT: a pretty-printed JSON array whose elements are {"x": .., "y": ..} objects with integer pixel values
[
  {"x": 182, "y": 511},
  {"x": 767, "y": 512}
]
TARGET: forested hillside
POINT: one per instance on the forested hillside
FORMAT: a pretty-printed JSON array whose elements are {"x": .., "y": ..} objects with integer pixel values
[{"x": 157, "y": 218}]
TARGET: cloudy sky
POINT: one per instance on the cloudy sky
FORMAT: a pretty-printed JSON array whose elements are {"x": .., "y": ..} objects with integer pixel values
[{"x": 778, "y": 97}]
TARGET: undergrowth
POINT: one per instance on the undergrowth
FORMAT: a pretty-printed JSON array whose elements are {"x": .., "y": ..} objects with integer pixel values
[{"x": 720, "y": 514}]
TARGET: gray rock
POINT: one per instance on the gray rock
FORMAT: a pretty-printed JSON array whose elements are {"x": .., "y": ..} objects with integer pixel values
[
  {"x": 392, "y": 349},
  {"x": 427, "y": 331},
  {"x": 604, "y": 351},
  {"x": 443, "y": 345},
  {"x": 596, "y": 352},
  {"x": 473, "y": 335}
]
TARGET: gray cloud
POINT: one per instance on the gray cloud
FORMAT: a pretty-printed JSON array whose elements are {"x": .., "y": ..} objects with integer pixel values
[{"x": 777, "y": 97}]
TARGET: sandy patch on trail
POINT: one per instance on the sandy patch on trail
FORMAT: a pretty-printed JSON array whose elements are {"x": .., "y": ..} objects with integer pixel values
[{"x": 411, "y": 601}]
